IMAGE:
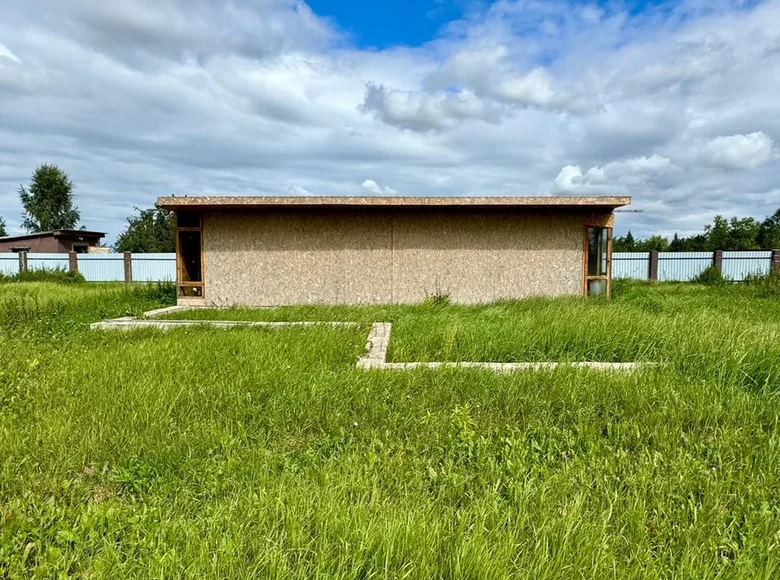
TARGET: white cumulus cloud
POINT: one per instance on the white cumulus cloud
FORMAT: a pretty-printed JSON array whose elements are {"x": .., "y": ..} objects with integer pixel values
[
  {"x": 739, "y": 151},
  {"x": 372, "y": 187},
  {"x": 421, "y": 111},
  {"x": 614, "y": 177}
]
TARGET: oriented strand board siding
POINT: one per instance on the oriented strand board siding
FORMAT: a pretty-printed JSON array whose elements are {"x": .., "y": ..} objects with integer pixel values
[
  {"x": 336, "y": 257},
  {"x": 294, "y": 258},
  {"x": 480, "y": 258}
]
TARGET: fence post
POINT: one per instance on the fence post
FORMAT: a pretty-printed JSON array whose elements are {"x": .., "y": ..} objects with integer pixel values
[
  {"x": 73, "y": 262},
  {"x": 775, "y": 269},
  {"x": 717, "y": 259},
  {"x": 128, "y": 259},
  {"x": 22, "y": 262},
  {"x": 652, "y": 273}
]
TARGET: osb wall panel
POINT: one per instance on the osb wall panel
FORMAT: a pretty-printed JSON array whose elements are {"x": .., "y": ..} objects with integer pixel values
[
  {"x": 289, "y": 257},
  {"x": 600, "y": 220},
  {"x": 478, "y": 258},
  {"x": 294, "y": 258}
]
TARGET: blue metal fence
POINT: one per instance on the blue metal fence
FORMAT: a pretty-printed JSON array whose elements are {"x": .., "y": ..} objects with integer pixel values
[
  {"x": 631, "y": 265},
  {"x": 102, "y": 267},
  {"x": 47, "y": 261},
  {"x": 672, "y": 266},
  {"x": 109, "y": 267},
  {"x": 682, "y": 266},
  {"x": 9, "y": 264},
  {"x": 739, "y": 265},
  {"x": 154, "y": 267}
]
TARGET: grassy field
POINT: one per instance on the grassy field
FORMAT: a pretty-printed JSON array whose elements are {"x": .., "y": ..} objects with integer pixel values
[{"x": 253, "y": 453}]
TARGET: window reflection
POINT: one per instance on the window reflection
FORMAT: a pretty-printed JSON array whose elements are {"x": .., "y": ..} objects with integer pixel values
[{"x": 597, "y": 251}]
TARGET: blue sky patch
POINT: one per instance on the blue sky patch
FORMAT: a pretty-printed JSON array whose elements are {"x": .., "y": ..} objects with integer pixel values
[{"x": 385, "y": 24}]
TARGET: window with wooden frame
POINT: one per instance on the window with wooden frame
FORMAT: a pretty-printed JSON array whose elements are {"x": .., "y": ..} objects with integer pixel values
[
  {"x": 189, "y": 255},
  {"x": 598, "y": 261}
]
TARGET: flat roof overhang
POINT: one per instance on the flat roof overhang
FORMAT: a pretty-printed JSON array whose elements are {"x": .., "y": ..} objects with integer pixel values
[
  {"x": 597, "y": 203},
  {"x": 55, "y": 234}
]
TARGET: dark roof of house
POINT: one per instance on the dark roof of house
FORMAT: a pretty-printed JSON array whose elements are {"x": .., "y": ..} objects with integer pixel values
[
  {"x": 55, "y": 234},
  {"x": 219, "y": 202}
]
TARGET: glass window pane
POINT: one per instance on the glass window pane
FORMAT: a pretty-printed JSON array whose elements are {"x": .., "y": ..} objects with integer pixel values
[
  {"x": 597, "y": 287},
  {"x": 597, "y": 251}
]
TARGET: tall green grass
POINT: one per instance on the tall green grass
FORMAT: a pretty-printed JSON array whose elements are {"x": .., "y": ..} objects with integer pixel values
[
  {"x": 253, "y": 453},
  {"x": 56, "y": 275},
  {"x": 47, "y": 309},
  {"x": 692, "y": 327}
]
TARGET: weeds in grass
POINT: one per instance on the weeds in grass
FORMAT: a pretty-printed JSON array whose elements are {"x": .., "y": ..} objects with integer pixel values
[
  {"x": 711, "y": 276},
  {"x": 55, "y": 275},
  {"x": 161, "y": 292},
  {"x": 764, "y": 286},
  {"x": 253, "y": 453},
  {"x": 439, "y": 297}
]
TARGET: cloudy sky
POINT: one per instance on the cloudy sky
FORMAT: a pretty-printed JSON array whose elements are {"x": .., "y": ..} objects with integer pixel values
[{"x": 674, "y": 103}]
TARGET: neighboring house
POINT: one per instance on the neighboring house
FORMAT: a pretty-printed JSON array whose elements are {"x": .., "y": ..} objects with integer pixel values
[
  {"x": 54, "y": 242},
  {"x": 260, "y": 251}
]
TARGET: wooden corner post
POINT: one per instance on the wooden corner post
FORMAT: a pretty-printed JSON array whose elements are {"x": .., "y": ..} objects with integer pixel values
[
  {"x": 652, "y": 269},
  {"x": 73, "y": 262},
  {"x": 717, "y": 259},
  {"x": 775, "y": 268},
  {"x": 22, "y": 262},
  {"x": 128, "y": 262}
]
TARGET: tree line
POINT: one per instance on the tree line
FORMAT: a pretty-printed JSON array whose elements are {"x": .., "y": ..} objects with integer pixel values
[{"x": 722, "y": 234}]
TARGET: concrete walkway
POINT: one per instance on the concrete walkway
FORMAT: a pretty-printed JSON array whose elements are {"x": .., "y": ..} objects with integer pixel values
[
  {"x": 379, "y": 340},
  {"x": 129, "y": 323}
]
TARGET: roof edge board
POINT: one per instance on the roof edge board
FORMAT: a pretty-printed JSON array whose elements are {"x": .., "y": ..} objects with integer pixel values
[
  {"x": 226, "y": 202},
  {"x": 53, "y": 233}
]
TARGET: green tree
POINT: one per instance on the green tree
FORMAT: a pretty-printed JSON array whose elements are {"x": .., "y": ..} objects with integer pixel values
[
  {"x": 656, "y": 243},
  {"x": 150, "y": 231},
  {"x": 697, "y": 243},
  {"x": 743, "y": 234},
  {"x": 623, "y": 243},
  {"x": 48, "y": 201},
  {"x": 677, "y": 244},
  {"x": 3, "y": 230},
  {"x": 717, "y": 234},
  {"x": 769, "y": 232}
]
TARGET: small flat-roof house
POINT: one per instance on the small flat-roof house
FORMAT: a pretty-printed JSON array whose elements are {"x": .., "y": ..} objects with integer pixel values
[
  {"x": 260, "y": 251},
  {"x": 53, "y": 242}
]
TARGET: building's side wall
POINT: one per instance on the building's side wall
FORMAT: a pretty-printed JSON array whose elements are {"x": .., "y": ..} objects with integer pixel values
[
  {"x": 44, "y": 245},
  {"x": 294, "y": 258},
  {"x": 378, "y": 257},
  {"x": 480, "y": 258},
  {"x": 47, "y": 244}
]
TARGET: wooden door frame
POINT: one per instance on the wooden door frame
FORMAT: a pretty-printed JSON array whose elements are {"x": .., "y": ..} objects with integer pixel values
[
  {"x": 586, "y": 242},
  {"x": 180, "y": 283}
]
